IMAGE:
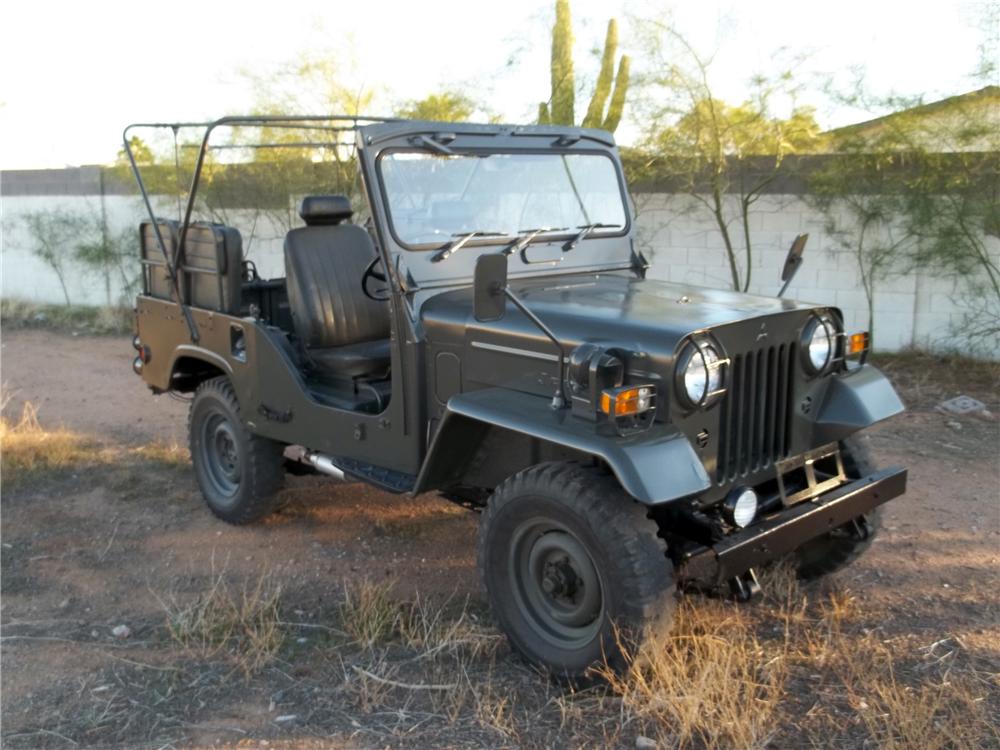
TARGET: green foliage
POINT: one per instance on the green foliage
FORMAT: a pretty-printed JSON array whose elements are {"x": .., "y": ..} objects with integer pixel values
[
  {"x": 64, "y": 239},
  {"x": 141, "y": 152},
  {"x": 18, "y": 313},
  {"x": 448, "y": 106},
  {"x": 724, "y": 156},
  {"x": 920, "y": 188},
  {"x": 56, "y": 237},
  {"x": 559, "y": 110}
]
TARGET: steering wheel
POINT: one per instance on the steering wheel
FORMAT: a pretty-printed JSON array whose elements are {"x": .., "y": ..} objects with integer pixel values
[{"x": 379, "y": 294}]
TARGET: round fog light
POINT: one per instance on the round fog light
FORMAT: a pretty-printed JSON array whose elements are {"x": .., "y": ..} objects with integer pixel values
[
  {"x": 137, "y": 365},
  {"x": 740, "y": 507}
]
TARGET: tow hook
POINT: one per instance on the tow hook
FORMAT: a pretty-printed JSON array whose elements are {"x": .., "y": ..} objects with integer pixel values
[{"x": 745, "y": 587}]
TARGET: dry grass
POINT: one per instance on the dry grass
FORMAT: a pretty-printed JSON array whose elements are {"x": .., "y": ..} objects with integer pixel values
[
  {"x": 170, "y": 454},
  {"x": 369, "y": 614},
  {"x": 709, "y": 683},
  {"x": 242, "y": 625},
  {"x": 432, "y": 630},
  {"x": 943, "y": 711},
  {"x": 27, "y": 448},
  {"x": 101, "y": 320}
]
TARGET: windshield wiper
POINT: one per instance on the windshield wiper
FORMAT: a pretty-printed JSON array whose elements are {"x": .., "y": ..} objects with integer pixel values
[
  {"x": 463, "y": 239},
  {"x": 526, "y": 237},
  {"x": 586, "y": 229}
]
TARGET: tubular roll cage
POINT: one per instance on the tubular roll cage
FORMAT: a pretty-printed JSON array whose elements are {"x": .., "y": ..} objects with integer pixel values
[{"x": 295, "y": 122}]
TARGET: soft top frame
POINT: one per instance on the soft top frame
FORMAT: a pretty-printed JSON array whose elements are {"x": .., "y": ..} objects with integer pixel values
[{"x": 323, "y": 123}]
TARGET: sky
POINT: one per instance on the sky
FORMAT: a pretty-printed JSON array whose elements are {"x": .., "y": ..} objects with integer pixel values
[{"x": 73, "y": 74}]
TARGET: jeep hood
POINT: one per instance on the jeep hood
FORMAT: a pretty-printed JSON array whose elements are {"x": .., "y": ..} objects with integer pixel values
[{"x": 645, "y": 318}]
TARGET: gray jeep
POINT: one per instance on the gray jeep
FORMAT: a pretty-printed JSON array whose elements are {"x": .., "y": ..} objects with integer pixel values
[{"x": 489, "y": 333}]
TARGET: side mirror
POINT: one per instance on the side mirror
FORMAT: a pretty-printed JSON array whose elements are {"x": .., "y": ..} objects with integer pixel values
[
  {"x": 794, "y": 258},
  {"x": 490, "y": 281},
  {"x": 792, "y": 261}
]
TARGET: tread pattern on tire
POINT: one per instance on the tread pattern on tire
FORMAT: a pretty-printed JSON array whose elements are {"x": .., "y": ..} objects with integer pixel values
[
  {"x": 841, "y": 551},
  {"x": 641, "y": 568},
  {"x": 264, "y": 460}
]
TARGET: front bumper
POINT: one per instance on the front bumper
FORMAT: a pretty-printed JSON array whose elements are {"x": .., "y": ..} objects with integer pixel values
[{"x": 786, "y": 530}]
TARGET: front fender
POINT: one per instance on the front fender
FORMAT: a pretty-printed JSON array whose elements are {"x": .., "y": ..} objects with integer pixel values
[
  {"x": 654, "y": 466},
  {"x": 853, "y": 401}
]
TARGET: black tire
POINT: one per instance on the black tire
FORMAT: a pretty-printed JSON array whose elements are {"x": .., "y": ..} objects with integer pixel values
[
  {"x": 573, "y": 568},
  {"x": 839, "y": 548},
  {"x": 239, "y": 473}
]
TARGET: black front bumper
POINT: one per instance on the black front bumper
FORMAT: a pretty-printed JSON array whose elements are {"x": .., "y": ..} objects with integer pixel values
[{"x": 786, "y": 530}]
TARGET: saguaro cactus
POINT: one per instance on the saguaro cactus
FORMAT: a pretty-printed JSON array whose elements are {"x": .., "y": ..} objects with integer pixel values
[
  {"x": 563, "y": 88},
  {"x": 559, "y": 109}
]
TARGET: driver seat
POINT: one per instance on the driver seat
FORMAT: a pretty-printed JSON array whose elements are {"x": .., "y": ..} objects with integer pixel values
[{"x": 340, "y": 330}]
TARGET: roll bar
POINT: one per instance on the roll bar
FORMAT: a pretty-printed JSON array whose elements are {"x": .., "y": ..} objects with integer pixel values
[{"x": 334, "y": 123}]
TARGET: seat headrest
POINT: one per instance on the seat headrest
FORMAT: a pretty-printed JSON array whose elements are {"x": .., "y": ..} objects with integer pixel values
[{"x": 322, "y": 210}]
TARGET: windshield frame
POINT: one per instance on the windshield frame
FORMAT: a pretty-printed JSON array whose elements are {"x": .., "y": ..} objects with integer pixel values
[{"x": 489, "y": 151}]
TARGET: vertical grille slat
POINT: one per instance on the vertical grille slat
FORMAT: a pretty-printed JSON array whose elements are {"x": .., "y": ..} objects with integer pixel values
[
  {"x": 755, "y": 416},
  {"x": 782, "y": 386}
]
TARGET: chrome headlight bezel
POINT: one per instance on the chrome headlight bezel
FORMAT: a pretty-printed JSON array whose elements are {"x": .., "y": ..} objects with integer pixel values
[
  {"x": 821, "y": 324},
  {"x": 700, "y": 356}
]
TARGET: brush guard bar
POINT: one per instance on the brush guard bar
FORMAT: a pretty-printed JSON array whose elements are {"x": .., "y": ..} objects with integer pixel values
[{"x": 791, "y": 527}]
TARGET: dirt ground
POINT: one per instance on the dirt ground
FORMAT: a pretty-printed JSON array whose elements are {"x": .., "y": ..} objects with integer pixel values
[{"x": 88, "y": 550}]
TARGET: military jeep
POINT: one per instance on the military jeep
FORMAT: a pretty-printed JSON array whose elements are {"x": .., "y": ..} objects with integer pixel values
[{"x": 489, "y": 332}]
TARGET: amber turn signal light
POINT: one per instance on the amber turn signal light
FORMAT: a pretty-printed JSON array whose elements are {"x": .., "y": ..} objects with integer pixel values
[
  {"x": 627, "y": 401},
  {"x": 857, "y": 343}
]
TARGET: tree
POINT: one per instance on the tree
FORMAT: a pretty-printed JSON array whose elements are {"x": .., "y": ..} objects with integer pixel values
[
  {"x": 559, "y": 110},
  {"x": 448, "y": 106},
  {"x": 724, "y": 156},
  {"x": 55, "y": 239},
  {"x": 920, "y": 188}
]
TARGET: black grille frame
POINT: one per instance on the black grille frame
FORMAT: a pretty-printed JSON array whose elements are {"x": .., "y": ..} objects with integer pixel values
[{"x": 755, "y": 414}]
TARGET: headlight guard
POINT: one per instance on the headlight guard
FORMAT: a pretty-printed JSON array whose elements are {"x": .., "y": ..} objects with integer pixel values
[
  {"x": 819, "y": 343},
  {"x": 700, "y": 373}
]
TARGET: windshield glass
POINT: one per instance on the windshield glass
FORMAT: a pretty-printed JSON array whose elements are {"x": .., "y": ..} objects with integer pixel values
[{"x": 434, "y": 197}]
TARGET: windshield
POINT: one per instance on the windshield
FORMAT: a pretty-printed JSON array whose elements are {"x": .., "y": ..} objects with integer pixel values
[{"x": 433, "y": 198}]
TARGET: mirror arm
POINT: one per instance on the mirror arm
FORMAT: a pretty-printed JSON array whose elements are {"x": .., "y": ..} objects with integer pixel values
[
  {"x": 559, "y": 399},
  {"x": 784, "y": 286}
]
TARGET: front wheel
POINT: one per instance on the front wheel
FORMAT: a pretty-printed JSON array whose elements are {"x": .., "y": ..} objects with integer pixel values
[
  {"x": 573, "y": 567},
  {"x": 239, "y": 473}
]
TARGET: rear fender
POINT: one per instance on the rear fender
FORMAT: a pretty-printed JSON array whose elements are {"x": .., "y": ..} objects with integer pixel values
[{"x": 656, "y": 466}]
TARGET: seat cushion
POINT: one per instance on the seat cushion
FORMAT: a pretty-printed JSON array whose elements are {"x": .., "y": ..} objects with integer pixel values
[{"x": 369, "y": 358}]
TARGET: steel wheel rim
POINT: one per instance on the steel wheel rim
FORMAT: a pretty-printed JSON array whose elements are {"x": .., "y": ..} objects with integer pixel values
[
  {"x": 556, "y": 584},
  {"x": 220, "y": 455}
]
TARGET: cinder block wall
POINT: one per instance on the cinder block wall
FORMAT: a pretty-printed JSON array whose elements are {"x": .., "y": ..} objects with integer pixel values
[{"x": 681, "y": 241}]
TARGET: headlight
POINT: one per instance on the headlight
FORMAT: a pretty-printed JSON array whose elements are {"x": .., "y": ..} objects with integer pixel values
[
  {"x": 819, "y": 340},
  {"x": 699, "y": 375}
]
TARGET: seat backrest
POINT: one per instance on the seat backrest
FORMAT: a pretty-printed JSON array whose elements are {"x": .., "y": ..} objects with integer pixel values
[
  {"x": 156, "y": 280},
  {"x": 213, "y": 258},
  {"x": 324, "y": 263}
]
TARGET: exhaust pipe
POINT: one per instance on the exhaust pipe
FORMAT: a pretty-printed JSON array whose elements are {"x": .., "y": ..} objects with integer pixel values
[{"x": 320, "y": 461}]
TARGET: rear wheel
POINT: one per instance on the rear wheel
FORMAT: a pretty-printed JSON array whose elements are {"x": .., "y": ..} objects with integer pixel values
[
  {"x": 239, "y": 473},
  {"x": 839, "y": 548},
  {"x": 573, "y": 567}
]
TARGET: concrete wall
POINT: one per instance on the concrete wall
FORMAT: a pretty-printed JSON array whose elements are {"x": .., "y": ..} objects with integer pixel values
[
  {"x": 917, "y": 309},
  {"x": 679, "y": 238}
]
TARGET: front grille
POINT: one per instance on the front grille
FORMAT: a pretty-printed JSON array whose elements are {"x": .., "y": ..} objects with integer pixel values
[{"x": 755, "y": 417}]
